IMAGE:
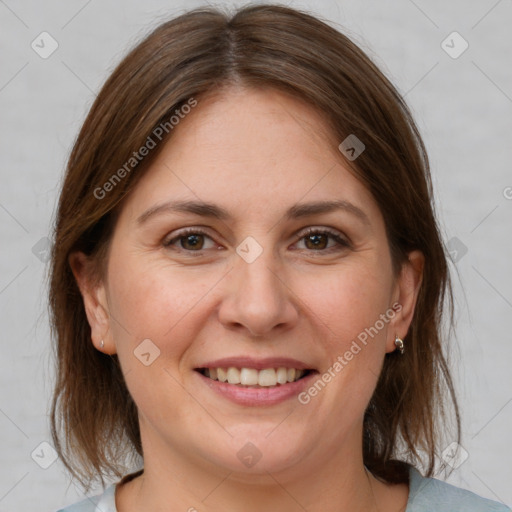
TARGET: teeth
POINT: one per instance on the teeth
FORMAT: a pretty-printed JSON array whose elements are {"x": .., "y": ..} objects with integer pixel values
[
  {"x": 248, "y": 376},
  {"x": 267, "y": 377},
  {"x": 251, "y": 377},
  {"x": 282, "y": 376},
  {"x": 233, "y": 375}
]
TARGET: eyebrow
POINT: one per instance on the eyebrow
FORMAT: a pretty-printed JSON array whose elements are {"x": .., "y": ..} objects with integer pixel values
[{"x": 211, "y": 210}]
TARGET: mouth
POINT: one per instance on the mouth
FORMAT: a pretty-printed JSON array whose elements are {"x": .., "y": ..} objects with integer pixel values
[
  {"x": 250, "y": 382},
  {"x": 245, "y": 377}
]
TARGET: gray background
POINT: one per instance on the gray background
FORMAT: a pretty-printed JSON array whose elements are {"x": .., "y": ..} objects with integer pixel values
[{"x": 463, "y": 107}]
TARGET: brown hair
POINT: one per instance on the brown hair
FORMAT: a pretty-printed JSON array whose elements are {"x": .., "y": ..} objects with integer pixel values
[{"x": 201, "y": 52}]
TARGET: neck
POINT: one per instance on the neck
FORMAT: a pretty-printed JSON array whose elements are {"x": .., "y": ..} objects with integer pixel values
[{"x": 172, "y": 481}]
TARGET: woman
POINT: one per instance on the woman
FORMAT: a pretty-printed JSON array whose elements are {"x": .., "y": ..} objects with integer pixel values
[{"x": 247, "y": 280}]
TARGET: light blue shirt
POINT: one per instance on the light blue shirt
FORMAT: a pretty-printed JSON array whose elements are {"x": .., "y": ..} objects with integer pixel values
[{"x": 425, "y": 495}]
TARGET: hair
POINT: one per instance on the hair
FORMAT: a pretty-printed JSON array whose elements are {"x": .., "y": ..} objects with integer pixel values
[{"x": 94, "y": 422}]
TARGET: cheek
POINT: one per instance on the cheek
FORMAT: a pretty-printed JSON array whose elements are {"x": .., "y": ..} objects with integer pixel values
[
  {"x": 347, "y": 307},
  {"x": 161, "y": 304},
  {"x": 346, "y": 301},
  {"x": 156, "y": 302}
]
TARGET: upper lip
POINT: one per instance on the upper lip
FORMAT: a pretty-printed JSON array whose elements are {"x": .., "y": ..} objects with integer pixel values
[{"x": 257, "y": 364}]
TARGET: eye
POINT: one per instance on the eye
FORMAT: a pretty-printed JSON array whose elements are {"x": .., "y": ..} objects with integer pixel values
[
  {"x": 317, "y": 239},
  {"x": 191, "y": 240}
]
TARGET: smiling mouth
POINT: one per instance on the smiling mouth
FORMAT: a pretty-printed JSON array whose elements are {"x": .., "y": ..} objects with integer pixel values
[{"x": 252, "y": 378}]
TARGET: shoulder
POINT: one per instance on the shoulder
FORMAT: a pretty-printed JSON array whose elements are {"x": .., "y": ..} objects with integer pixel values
[
  {"x": 432, "y": 495},
  {"x": 104, "y": 502}
]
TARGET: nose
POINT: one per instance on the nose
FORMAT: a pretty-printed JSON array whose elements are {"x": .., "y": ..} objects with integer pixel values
[{"x": 257, "y": 299}]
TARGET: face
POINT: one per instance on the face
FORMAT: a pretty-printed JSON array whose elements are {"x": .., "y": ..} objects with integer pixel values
[{"x": 283, "y": 281}]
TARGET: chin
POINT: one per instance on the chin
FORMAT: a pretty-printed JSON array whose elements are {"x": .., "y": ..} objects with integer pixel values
[{"x": 259, "y": 450}]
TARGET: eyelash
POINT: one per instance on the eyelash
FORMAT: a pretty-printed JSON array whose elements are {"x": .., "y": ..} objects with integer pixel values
[{"x": 342, "y": 243}]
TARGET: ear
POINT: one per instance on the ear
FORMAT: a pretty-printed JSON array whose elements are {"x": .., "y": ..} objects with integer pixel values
[
  {"x": 405, "y": 295},
  {"x": 95, "y": 302}
]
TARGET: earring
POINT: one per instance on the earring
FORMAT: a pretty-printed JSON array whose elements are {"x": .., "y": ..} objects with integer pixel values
[
  {"x": 399, "y": 344},
  {"x": 102, "y": 344}
]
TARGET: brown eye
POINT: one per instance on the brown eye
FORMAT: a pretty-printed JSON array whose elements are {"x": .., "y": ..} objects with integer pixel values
[
  {"x": 317, "y": 241},
  {"x": 192, "y": 242}
]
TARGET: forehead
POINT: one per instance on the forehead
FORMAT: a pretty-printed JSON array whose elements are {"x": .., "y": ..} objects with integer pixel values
[{"x": 254, "y": 150}]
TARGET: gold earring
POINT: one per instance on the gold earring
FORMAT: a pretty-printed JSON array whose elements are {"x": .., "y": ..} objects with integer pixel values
[{"x": 399, "y": 344}]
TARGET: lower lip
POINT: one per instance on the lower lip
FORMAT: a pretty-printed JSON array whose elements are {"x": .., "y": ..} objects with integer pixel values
[{"x": 258, "y": 396}]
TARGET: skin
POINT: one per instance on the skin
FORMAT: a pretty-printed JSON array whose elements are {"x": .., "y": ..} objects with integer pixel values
[{"x": 255, "y": 153}]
